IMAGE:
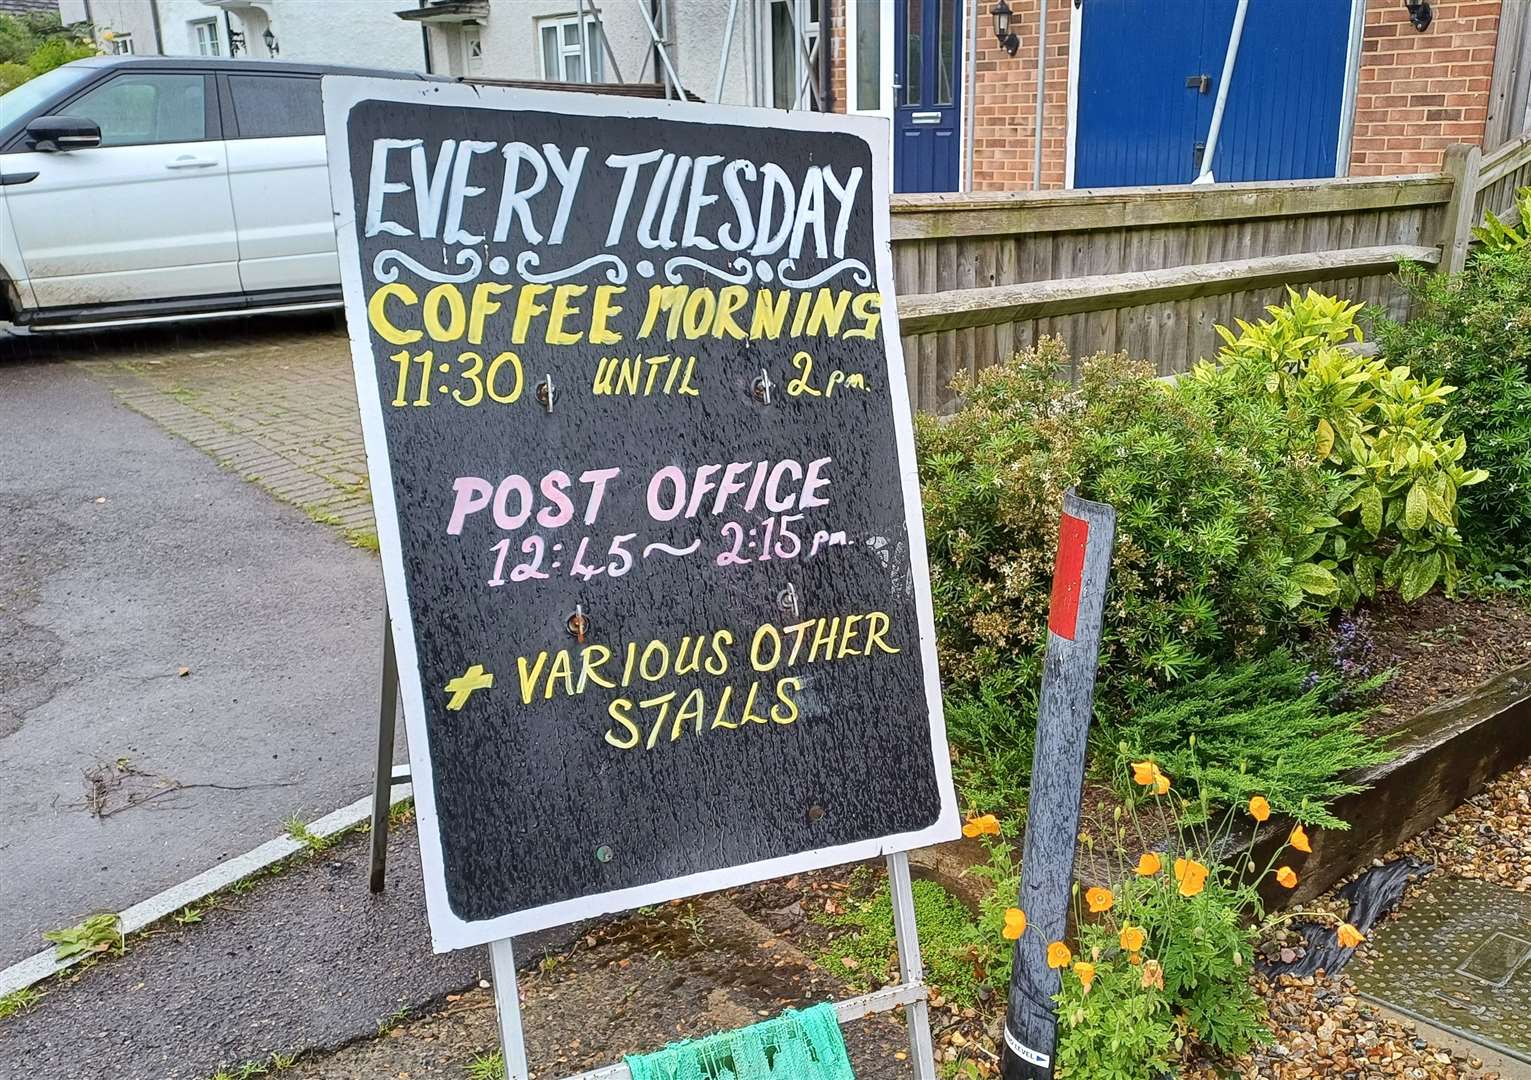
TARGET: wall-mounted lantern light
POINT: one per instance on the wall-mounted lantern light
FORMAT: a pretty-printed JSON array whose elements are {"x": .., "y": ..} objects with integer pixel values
[
  {"x": 1419, "y": 14},
  {"x": 270, "y": 39},
  {"x": 1002, "y": 32}
]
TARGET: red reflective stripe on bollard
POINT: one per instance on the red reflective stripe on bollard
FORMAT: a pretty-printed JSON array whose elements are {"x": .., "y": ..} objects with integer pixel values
[{"x": 1073, "y": 537}]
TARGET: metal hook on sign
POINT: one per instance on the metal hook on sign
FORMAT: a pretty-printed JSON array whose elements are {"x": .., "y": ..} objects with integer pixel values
[
  {"x": 761, "y": 387},
  {"x": 578, "y": 623},
  {"x": 787, "y": 599},
  {"x": 545, "y": 392}
]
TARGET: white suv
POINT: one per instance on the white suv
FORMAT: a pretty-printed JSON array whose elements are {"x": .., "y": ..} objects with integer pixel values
[{"x": 139, "y": 189}]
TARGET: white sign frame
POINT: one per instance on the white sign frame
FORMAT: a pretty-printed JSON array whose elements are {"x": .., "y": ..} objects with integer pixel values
[{"x": 448, "y": 930}]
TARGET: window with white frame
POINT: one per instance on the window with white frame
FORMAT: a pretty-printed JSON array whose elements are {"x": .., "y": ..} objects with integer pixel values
[
  {"x": 122, "y": 44},
  {"x": 204, "y": 37},
  {"x": 561, "y": 57},
  {"x": 868, "y": 52},
  {"x": 794, "y": 28}
]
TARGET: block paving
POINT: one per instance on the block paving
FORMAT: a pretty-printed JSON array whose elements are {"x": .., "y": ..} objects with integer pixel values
[{"x": 277, "y": 405}]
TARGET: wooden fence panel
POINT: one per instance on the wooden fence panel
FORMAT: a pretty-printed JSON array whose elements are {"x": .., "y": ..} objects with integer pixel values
[{"x": 1149, "y": 271}]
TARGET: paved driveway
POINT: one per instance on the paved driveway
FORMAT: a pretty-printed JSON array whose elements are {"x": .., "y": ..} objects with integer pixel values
[{"x": 185, "y": 661}]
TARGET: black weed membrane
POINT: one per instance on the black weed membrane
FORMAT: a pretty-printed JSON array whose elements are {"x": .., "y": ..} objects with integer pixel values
[{"x": 1372, "y": 896}]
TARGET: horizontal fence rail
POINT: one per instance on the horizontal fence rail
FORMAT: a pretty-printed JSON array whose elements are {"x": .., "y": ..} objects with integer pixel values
[{"x": 1149, "y": 271}]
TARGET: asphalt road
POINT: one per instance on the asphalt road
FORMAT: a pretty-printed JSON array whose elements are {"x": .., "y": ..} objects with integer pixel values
[{"x": 126, "y": 557}]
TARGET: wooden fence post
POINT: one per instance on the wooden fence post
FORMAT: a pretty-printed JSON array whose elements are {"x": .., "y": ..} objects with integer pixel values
[{"x": 1462, "y": 165}]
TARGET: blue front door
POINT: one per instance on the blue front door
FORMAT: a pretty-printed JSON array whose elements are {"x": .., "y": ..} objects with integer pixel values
[
  {"x": 927, "y": 114},
  {"x": 1148, "y": 79}
]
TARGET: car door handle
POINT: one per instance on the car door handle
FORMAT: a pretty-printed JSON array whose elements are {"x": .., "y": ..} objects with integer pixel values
[
  {"x": 186, "y": 161},
  {"x": 7, "y": 179}
]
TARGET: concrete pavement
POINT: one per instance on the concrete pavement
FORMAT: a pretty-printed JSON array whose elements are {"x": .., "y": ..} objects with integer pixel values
[{"x": 129, "y": 558}]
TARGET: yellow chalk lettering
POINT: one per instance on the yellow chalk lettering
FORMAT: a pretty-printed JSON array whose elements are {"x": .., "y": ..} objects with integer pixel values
[
  {"x": 765, "y": 630},
  {"x": 527, "y": 308},
  {"x": 562, "y": 309},
  {"x": 457, "y": 313},
  {"x": 619, "y": 711},
  {"x": 717, "y": 717},
  {"x": 785, "y": 712},
  {"x": 868, "y": 308},
  {"x": 770, "y": 314},
  {"x": 824, "y": 634},
  {"x": 731, "y": 299},
  {"x": 690, "y": 710},
  {"x": 589, "y": 669},
  {"x": 847, "y": 636},
  {"x": 529, "y": 676},
  {"x": 601, "y": 312},
  {"x": 877, "y": 625},
  {"x": 482, "y": 306},
  {"x": 378, "y": 316},
  {"x": 663, "y": 704},
  {"x": 562, "y": 668},
  {"x": 717, "y": 663}
]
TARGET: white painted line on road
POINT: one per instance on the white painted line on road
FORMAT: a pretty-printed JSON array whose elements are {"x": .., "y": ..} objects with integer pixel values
[{"x": 43, "y": 965}]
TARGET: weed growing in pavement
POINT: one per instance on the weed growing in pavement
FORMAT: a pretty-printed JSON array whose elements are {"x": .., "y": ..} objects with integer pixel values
[
  {"x": 320, "y": 517},
  {"x": 97, "y": 934},
  {"x": 365, "y": 539},
  {"x": 393, "y": 1019},
  {"x": 487, "y": 1067},
  {"x": 188, "y": 915},
  {"x": 298, "y": 830},
  {"x": 277, "y": 1062},
  {"x": 18, "y": 1001}
]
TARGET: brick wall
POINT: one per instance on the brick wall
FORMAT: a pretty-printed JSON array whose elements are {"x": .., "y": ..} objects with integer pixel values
[
  {"x": 1420, "y": 92},
  {"x": 1006, "y": 103}
]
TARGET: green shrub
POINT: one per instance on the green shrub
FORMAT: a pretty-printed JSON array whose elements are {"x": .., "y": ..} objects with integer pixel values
[
  {"x": 1473, "y": 330},
  {"x": 1378, "y": 429},
  {"x": 1265, "y": 727},
  {"x": 1203, "y": 567},
  {"x": 1496, "y": 236},
  {"x": 961, "y": 953},
  {"x": 992, "y": 733}
]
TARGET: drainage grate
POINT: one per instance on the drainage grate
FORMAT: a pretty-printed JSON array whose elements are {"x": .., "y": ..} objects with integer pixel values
[{"x": 1458, "y": 957}]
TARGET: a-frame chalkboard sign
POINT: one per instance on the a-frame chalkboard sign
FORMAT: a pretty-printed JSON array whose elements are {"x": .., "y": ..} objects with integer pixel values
[{"x": 643, "y": 470}]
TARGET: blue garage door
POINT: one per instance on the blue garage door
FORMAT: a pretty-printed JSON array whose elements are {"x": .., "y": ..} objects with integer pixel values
[{"x": 1148, "y": 78}]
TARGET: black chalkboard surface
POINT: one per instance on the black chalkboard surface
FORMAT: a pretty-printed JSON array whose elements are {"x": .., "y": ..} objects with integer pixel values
[{"x": 646, "y": 499}]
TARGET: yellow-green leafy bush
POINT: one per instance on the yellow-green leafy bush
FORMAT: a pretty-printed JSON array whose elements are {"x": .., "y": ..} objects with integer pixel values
[{"x": 1378, "y": 429}]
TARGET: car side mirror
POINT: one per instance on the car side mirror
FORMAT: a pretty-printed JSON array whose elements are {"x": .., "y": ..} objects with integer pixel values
[{"x": 55, "y": 134}]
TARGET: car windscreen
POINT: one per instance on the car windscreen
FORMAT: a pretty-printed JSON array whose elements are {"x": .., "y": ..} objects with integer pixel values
[{"x": 20, "y": 103}]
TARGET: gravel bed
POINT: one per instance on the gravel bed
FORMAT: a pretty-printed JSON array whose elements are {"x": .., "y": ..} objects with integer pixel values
[{"x": 1487, "y": 838}]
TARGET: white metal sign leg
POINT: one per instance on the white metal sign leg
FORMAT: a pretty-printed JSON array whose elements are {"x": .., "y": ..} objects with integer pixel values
[
  {"x": 910, "y": 968},
  {"x": 507, "y": 1004}
]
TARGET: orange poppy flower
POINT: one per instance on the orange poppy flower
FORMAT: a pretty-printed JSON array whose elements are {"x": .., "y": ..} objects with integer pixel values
[
  {"x": 1015, "y": 924},
  {"x": 1149, "y": 864},
  {"x": 1086, "y": 973},
  {"x": 1260, "y": 809},
  {"x": 987, "y": 825},
  {"x": 1099, "y": 899},
  {"x": 1132, "y": 938},
  {"x": 1153, "y": 975},
  {"x": 1299, "y": 840},
  {"x": 1191, "y": 875},
  {"x": 1135, "y": 959},
  {"x": 1349, "y": 937},
  {"x": 1287, "y": 877},
  {"x": 1058, "y": 955},
  {"x": 1144, "y": 773}
]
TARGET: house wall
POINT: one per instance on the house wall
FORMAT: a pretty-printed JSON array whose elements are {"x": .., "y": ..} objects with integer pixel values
[
  {"x": 134, "y": 17},
  {"x": 361, "y": 32},
  {"x": 1006, "y": 104},
  {"x": 1420, "y": 92},
  {"x": 1417, "y": 93}
]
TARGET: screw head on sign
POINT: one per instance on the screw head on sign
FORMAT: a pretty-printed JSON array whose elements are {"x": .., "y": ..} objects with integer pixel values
[
  {"x": 761, "y": 387},
  {"x": 578, "y": 624},
  {"x": 604, "y": 854},
  {"x": 815, "y": 813}
]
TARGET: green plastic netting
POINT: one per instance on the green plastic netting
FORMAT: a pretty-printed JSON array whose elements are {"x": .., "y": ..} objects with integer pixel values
[{"x": 796, "y": 1045}]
